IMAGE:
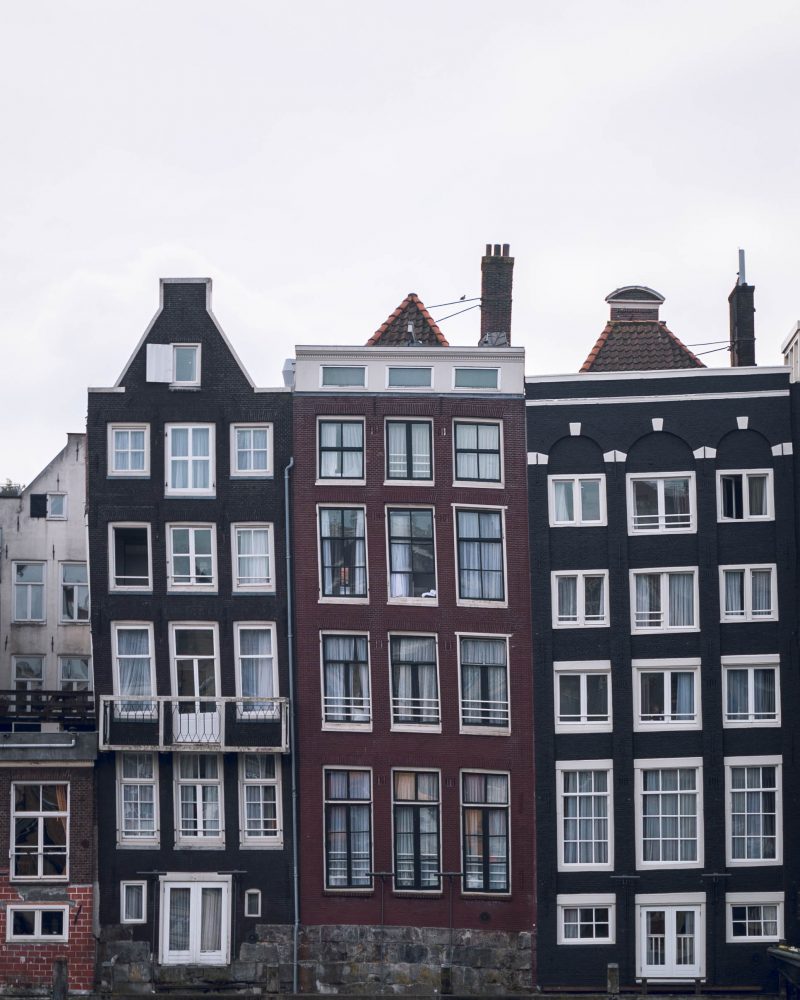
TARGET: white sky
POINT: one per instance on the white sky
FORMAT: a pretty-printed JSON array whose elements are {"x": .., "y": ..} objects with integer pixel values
[{"x": 319, "y": 160}]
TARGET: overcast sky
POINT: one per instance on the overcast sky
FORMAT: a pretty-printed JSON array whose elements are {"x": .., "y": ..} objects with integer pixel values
[{"x": 320, "y": 160}]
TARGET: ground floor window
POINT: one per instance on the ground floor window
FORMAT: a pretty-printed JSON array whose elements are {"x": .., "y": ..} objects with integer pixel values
[
  {"x": 195, "y": 921},
  {"x": 37, "y": 923},
  {"x": 671, "y": 936}
]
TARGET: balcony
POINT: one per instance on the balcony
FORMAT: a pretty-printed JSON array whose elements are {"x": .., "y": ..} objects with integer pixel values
[
  {"x": 213, "y": 724},
  {"x": 72, "y": 710}
]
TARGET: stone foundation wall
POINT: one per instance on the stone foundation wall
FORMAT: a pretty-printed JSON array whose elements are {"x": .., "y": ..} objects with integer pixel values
[{"x": 340, "y": 959}]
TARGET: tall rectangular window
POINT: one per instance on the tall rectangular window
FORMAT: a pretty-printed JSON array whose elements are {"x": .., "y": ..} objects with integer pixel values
[
  {"x": 584, "y": 814},
  {"x": 578, "y": 501},
  {"x": 478, "y": 457},
  {"x": 186, "y": 364},
  {"x": 191, "y": 557},
  {"x": 483, "y": 663},
  {"x": 408, "y": 449},
  {"x": 251, "y": 451},
  {"x": 39, "y": 831},
  {"x": 485, "y": 835},
  {"x": 129, "y": 553},
  {"x": 74, "y": 593},
  {"x": 583, "y": 695},
  {"x": 190, "y": 460},
  {"x": 412, "y": 560},
  {"x": 137, "y": 799},
  {"x": 341, "y": 449},
  {"x": 133, "y": 902},
  {"x": 579, "y": 599},
  {"x": 134, "y": 678},
  {"x": 481, "y": 556},
  {"x": 345, "y": 668},
  {"x": 669, "y": 814},
  {"x": 256, "y": 673},
  {"x": 348, "y": 828},
  {"x": 129, "y": 450},
  {"x": 745, "y": 495},
  {"x": 751, "y": 690},
  {"x": 416, "y": 830},
  {"x": 259, "y": 795},
  {"x": 28, "y": 591},
  {"x": 662, "y": 503},
  {"x": 253, "y": 557},
  {"x": 753, "y": 793},
  {"x": 199, "y": 799},
  {"x": 343, "y": 552},
  {"x": 748, "y": 593},
  {"x": 415, "y": 686},
  {"x": 664, "y": 600}
]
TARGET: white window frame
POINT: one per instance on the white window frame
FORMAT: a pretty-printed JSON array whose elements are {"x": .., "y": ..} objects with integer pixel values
[
  {"x": 37, "y": 909},
  {"x": 237, "y": 473},
  {"x": 62, "y": 584},
  {"x": 571, "y": 901},
  {"x": 480, "y": 484},
  {"x": 661, "y": 527},
  {"x": 667, "y": 764},
  {"x": 187, "y": 383},
  {"x": 411, "y": 509},
  {"x": 40, "y": 815},
  {"x": 419, "y": 890},
  {"x": 769, "y": 761},
  {"x": 190, "y": 732},
  {"x": 747, "y": 595},
  {"x": 732, "y": 899},
  {"x": 480, "y": 602},
  {"x": 248, "y": 841},
  {"x": 253, "y": 588},
  {"x": 664, "y": 572},
  {"x": 347, "y": 724},
  {"x": 666, "y": 667},
  {"x": 124, "y": 840},
  {"x": 57, "y": 517},
  {"x": 418, "y": 481},
  {"x": 112, "y": 567},
  {"x": 252, "y": 894},
  {"x": 190, "y": 491},
  {"x": 185, "y": 841},
  {"x": 583, "y": 669},
  {"x": 68, "y": 683},
  {"x": 411, "y": 727},
  {"x": 746, "y": 515},
  {"x": 28, "y": 683},
  {"x": 191, "y": 588},
  {"x": 247, "y": 709},
  {"x": 43, "y": 585},
  {"x": 406, "y": 388},
  {"x": 148, "y": 709},
  {"x": 485, "y": 806},
  {"x": 112, "y": 471},
  {"x": 580, "y": 576},
  {"x": 565, "y": 766},
  {"x": 751, "y": 664},
  {"x": 504, "y": 729},
  {"x": 335, "y": 418},
  {"x": 671, "y": 901},
  {"x": 477, "y": 388},
  {"x": 341, "y": 598},
  {"x": 350, "y": 386},
  {"x": 123, "y": 912},
  {"x": 578, "y": 521},
  {"x": 196, "y": 882}
]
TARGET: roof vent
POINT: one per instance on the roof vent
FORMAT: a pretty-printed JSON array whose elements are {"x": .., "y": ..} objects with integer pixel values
[{"x": 634, "y": 302}]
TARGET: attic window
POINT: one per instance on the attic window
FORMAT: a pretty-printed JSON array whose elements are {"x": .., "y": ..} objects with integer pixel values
[
  {"x": 344, "y": 376},
  {"x": 477, "y": 378},
  {"x": 177, "y": 364},
  {"x": 404, "y": 378}
]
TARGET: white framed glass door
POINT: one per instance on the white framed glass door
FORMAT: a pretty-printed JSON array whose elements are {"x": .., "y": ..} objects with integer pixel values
[
  {"x": 197, "y": 719},
  {"x": 671, "y": 942},
  {"x": 195, "y": 923}
]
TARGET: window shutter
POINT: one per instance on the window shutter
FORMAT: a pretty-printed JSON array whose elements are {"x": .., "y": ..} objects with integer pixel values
[
  {"x": 159, "y": 362},
  {"x": 38, "y": 505}
]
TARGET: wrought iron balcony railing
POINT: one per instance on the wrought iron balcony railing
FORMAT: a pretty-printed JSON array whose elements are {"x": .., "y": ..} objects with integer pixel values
[{"x": 72, "y": 710}]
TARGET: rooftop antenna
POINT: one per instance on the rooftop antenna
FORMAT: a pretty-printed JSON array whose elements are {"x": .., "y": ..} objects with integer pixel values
[{"x": 741, "y": 280}]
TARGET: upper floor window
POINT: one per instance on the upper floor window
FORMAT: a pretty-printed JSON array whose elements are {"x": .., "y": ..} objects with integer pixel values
[
  {"x": 199, "y": 816},
  {"x": 74, "y": 673},
  {"x": 483, "y": 662},
  {"x": 662, "y": 503},
  {"x": 481, "y": 555},
  {"x": 253, "y": 557},
  {"x": 129, "y": 554},
  {"x": 579, "y": 598},
  {"x": 583, "y": 695},
  {"x": 134, "y": 674},
  {"x": 666, "y": 694},
  {"x": 74, "y": 593},
  {"x": 28, "y": 673},
  {"x": 584, "y": 814},
  {"x": 28, "y": 591},
  {"x": 345, "y": 679},
  {"x": 190, "y": 462},
  {"x": 412, "y": 561},
  {"x": 408, "y": 450},
  {"x": 408, "y": 378},
  {"x": 485, "y": 846},
  {"x": 129, "y": 450},
  {"x": 256, "y": 669},
  {"x": 178, "y": 364},
  {"x": 416, "y": 830},
  {"x": 578, "y": 501},
  {"x": 751, "y": 690},
  {"x": 748, "y": 593},
  {"x": 669, "y": 813},
  {"x": 39, "y": 830},
  {"x": 343, "y": 376},
  {"x": 476, "y": 378},
  {"x": 259, "y": 796},
  {"x": 754, "y": 810},
  {"x": 137, "y": 799},
  {"x": 251, "y": 450},
  {"x": 745, "y": 495},
  {"x": 415, "y": 685},
  {"x": 348, "y": 828},
  {"x": 478, "y": 451},
  {"x": 343, "y": 552},
  {"x": 191, "y": 557},
  {"x": 664, "y": 600},
  {"x": 341, "y": 449},
  {"x": 56, "y": 506}
]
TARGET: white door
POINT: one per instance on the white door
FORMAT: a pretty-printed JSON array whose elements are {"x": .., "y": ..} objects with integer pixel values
[
  {"x": 197, "y": 719},
  {"x": 671, "y": 942},
  {"x": 195, "y": 923}
]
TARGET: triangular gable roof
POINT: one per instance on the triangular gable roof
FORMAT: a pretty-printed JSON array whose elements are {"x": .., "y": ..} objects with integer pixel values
[
  {"x": 395, "y": 331},
  {"x": 638, "y": 345}
]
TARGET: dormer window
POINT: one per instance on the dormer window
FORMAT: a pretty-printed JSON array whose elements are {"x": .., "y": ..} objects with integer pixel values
[{"x": 177, "y": 364}]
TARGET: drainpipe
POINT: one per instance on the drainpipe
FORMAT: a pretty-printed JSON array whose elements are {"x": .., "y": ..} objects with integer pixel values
[{"x": 292, "y": 748}]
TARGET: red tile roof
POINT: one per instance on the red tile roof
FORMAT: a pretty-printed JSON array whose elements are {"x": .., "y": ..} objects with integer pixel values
[
  {"x": 638, "y": 345},
  {"x": 395, "y": 331}
]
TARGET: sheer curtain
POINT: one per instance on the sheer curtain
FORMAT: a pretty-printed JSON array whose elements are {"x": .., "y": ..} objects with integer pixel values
[
  {"x": 484, "y": 682},
  {"x": 179, "y": 457},
  {"x": 211, "y": 919},
  {"x": 757, "y": 495},
  {"x": 737, "y": 700},
  {"x": 353, "y": 456},
  {"x": 398, "y": 451},
  {"x": 682, "y": 683},
  {"x": 346, "y": 678},
  {"x": 681, "y": 600},
  {"x": 200, "y": 457},
  {"x": 421, "y": 451},
  {"x": 567, "y": 599},
  {"x": 179, "y": 918},
  {"x": 404, "y": 844},
  {"x": 253, "y": 550},
  {"x": 415, "y": 655},
  {"x": 761, "y": 584},
  {"x": 489, "y": 457},
  {"x": 133, "y": 665},
  {"x": 734, "y": 592},
  {"x": 469, "y": 553},
  {"x": 256, "y": 668},
  {"x": 400, "y": 578},
  {"x": 467, "y": 451},
  {"x": 564, "y": 501},
  {"x": 648, "y": 599},
  {"x": 764, "y": 693},
  {"x": 676, "y": 503}
]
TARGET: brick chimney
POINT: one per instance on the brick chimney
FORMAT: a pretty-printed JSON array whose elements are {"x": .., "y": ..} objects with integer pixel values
[
  {"x": 497, "y": 275},
  {"x": 743, "y": 320}
]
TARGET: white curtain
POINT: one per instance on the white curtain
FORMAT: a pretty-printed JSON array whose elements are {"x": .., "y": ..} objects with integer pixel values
[
  {"x": 567, "y": 599},
  {"x": 484, "y": 682},
  {"x": 253, "y": 551},
  {"x": 676, "y": 503},
  {"x": 757, "y": 495},
  {"x": 585, "y": 817},
  {"x": 398, "y": 451},
  {"x": 346, "y": 678},
  {"x": 681, "y": 600},
  {"x": 764, "y": 693},
  {"x": 353, "y": 457},
  {"x": 414, "y": 658},
  {"x": 564, "y": 500},
  {"x": 421, "y": 450},
  {"x": 344, "y": 570},
  {"x": 211, "y": 919},
  {"x": 179, "y": 458},
  {"x": 179, "y": 919},
  {"x": 738, "y": 701},
  {"x": 594, "y": 602},
  {"x": 734, "y": 592},
  {"x": 256, "y": 668},
  {"x": 682, "y": 683},
  {"x": 761, "y": 584},
  {"x": 133, "y": 664},
  {"x": 200, "y": 458},
  {"x": 489, "y": 447}
]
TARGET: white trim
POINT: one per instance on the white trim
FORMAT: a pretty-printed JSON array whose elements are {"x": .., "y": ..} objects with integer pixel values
[
  {"x": 562, "y": 767},
  {"x": 148, "y": 709},
  {"x": 684, "y": 397},
  {"x": 191, "y": 588},
  {"x": 399, "y": 419},
  {"x": 770, "y": 661},
  {"x": 480, "y": 602},
  {"x": 667, "y": 764},
  {"x": 420, "y": 387},
  {"x": 575, "y": 429},
  {"x": 112, "y": 574},
  {"x": 747, "y": 614},
  {"x": 746, "y": 515},
  {"x": 40, "y": 816},
  {"x": 211, "y": 458},
  {"x": 787, "y": 448},
  {"x": 271, "y": 627},
  {"x": 752, "y": 899},
  {"x": 664, "y": 572},
  {"x": 742, "y": 422},
  {"x": 580, "y": 576},
  {"x": 267, "y": 473},
  {"x": 62, "y": 584},
  {"x": 421, "y": 601},
  {"x": 335, "y": 418},
  {"x": 394, "y": 803},
  {"x": 248, "y": 895},
  {"x": 667, "y": 373},
  {"x": 200, "y": 727},
  {"x": 670, "y": 901},
  {"x": 323, "y": 598},
  {"x": 123, "y": 842},
  {"x": 111, "y": 472},
  {"x": 577, "y": 505},
  {"x": 579, "y": 900},
  {"x": 195, "y": 882},
  {"x": 775, "y": 761},
  {"x": 474, "y": 728},
  {"x": 705, "y": 452},
  {"x": 660, "y": 527},
  {"x": 537, "y": 458},
  {"x": 190, "y": 383},
  {"x": 583, "y": 669},
  {"x": 198, "y": 842},
  {"x": 614, "y": 456},
  {"x": 419, "y": 727},
  {"x": 475, "y": 484},
  {"x": 65, "y": 511},
  {"x": 356, "y": 387},
  {"x": 123, "y": 918},
  {"x": 484, "y": 893},
  {"x": 658, "y": 423},
  {"x": 262, "y": 843},
  {"x": 37, "y": 909},
  {"x": 347, "y": 724},
  {"x": 666, "y": 666},
  {"x": 14, "y": 584},
  {"x": 497, "y": 387},
  {"x": 253, "y": 588}
]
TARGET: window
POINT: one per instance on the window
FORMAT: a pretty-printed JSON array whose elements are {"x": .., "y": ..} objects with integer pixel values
[
  {"x": 253, "y": 557},
  {"x": 745, "y": 496},
  {"x": 415, "y": 684},
  {"x": 343, "y": 376},
  {"x": 345, "y": 680},
  {"x": 483, "y": 663},
  {"x": 661, "y": 503},
  {"x": 178, "y": 364},
  {"x": 669, "y": 813},
  {"x": 348, "y": 829},
  {"x": 748, "y": 593},
  {"x": 28, "y": 591},
  {"x": 39, "y": 831},
  {"x": 74, "y": 673},
  {"x": 478, "y": 451},
  {"x": 28, "y": 673},
  {"x": 137, "y": 800},
  {"x": 341, "y": 449},
  {"x": 198, "y": 796},
  {"x": 754, "y": 916},
  {"x": 415, "y": 797},
  {"x": 670, "y": 938},
  {"x": 481, "y": 555},
  {"x": 191, "y": 557},
  {"x": 664, "y": 600},
  {"x": 476, "y": 378},
  {"x": 134, "y": 676},
  {"x": 259, "y": 799},
  {"x": 251, "y": 450},
  {"x": 252, "y": 903},
  {"x": 190, "y": 460},
  {"x": 343, "y": 552},
  {"x": 579, "y": 599},
  {"x": 257, "y": 669},
  {"x": 130, "y": 564},
  {"x": 133, "y": 902},
  {"x": 584, "y": 814},
  {"x": 74, "y": 593},
  {"x": 666, "y": 694},
  {"x": 194, "y": 654},
  {"x": 27, "y": 923},
  {"x": 753, "y": 794},
  {"x": 485, "y": 832},
  {"x": 129, "y": 450},
  {"x": 583, "y": 696},
  {"x": 408, "y": 449},
  {"x": 56, "y": 506},
  {"x": 751, "y": 691},
  {"x": 195, "y": 920},
  {"x": 578, "y": 501},
  {"x": 412, "y": 560},
  {"x": 586, "y": 919},
  {"x": 408, "y": 378}
]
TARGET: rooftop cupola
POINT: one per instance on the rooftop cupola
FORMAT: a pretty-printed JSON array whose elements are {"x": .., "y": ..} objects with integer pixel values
[{"x": 634, "y": 303}]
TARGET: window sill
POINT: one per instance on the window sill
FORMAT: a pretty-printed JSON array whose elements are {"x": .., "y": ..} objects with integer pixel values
[
  {"x": 566, "y": 625},
  {"x": 411, "y": 602},
  {"x": 408, "y": 482},
  {"x": 261, "y": 845},
  {"x": 478, "y": 484},
  {"x": 343, "y": 600},
  {"x": 400, "y": 727},
  {"x": 253, "y": 475},
  {"x": 128, "y": 475},
  {"x": 351, "y": 727},
  {"x": 469, "y": 602},
  {"x": 340, "y": 481},
  {"x": 484, "y": 730}
]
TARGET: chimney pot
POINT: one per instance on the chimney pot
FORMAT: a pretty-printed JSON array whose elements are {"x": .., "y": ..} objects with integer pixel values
[
  {"x": 488, "y": 249},
  {"x": 506, "y": 249},
  {"x": 497, "y": 249},
  {"x": 742, "y": 313}
]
